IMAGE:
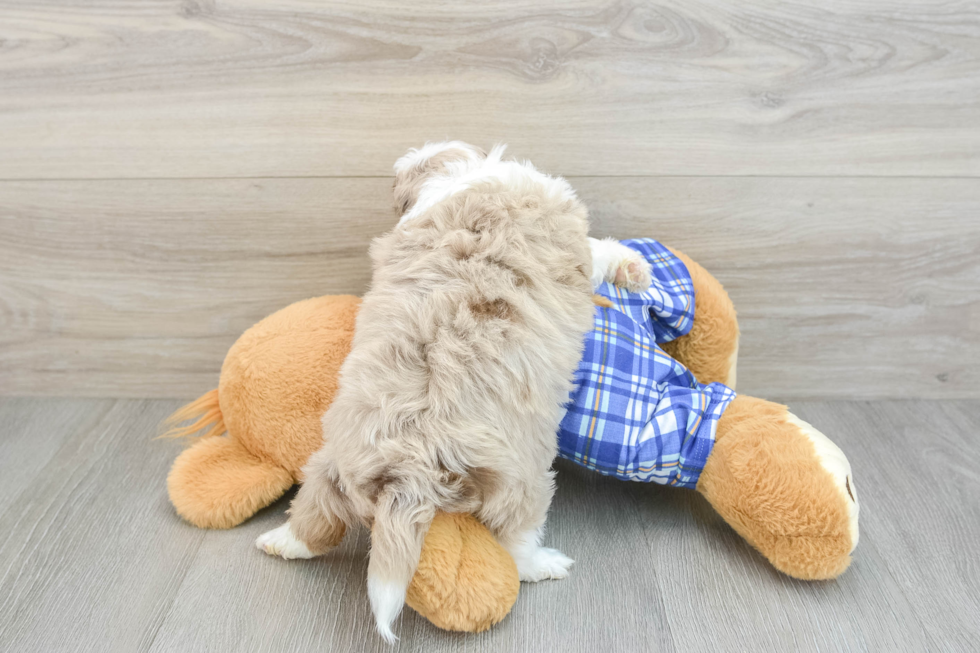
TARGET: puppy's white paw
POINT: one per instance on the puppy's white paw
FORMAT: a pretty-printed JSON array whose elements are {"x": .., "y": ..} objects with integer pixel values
[
  {"x": 281, "y": 542},
  {"x": 543, "y": 564},
  {"x": 633, "y": 272}
]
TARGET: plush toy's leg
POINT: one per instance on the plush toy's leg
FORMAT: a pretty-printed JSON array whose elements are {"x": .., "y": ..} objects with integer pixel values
[
  {"x": 710, "y": 349},
  {"x": 784, "y": 487},
  {"x": 217, "y": 483},
  {"x": 465, "y": 580}
]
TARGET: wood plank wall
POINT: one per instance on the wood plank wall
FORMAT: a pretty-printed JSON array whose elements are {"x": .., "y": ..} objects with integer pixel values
[{"x": 173, "y": 170}]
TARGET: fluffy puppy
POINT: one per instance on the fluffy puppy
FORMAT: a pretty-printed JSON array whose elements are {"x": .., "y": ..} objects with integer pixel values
[{"x": 459, "y": 368}]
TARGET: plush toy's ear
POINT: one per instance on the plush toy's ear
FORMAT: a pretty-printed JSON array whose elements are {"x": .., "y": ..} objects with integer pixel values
[
  {"x": 465, "y": 580},
  {"x": 217, "y": 483}
]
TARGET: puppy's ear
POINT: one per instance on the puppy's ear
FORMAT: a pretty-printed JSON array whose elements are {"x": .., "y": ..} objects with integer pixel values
[
  {"x": 406, "y": 189},
  {"x": 418, "y": 165}
]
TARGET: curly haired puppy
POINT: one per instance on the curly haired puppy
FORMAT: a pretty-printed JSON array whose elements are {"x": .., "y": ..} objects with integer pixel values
[{"x": 460, "y": 365}]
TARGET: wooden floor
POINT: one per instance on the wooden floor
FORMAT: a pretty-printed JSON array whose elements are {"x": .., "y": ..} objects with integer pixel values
[{"x": 93, "y": 558}]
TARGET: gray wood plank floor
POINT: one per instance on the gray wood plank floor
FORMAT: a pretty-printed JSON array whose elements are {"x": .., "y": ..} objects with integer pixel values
[{"x": 92, "y": 557}]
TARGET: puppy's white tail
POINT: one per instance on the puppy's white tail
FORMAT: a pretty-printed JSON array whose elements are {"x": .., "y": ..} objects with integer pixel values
[{"x": 400, "y": 524}]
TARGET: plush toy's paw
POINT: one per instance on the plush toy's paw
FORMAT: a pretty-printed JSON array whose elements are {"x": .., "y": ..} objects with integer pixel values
[
  {"x": 784, "y": 487},
  {"x": 218, "y": 483},
  {"x": 833, "y": 460},
  {"x": 544, "y": 564},
  {"x": 281, "y": 542},
  {"x": 633, "y": 272},
  {"x": 465, "y": 580}
]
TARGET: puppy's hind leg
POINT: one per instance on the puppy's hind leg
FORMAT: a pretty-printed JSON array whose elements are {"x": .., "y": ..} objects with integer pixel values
[
  {"x": 318, "y": 518},
  {"x": 517, "y": 520},
  {"x": 536, "y": 562}
]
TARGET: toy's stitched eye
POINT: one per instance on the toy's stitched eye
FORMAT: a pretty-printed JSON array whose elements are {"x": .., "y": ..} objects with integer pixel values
[{"x": 847, "y": 484}]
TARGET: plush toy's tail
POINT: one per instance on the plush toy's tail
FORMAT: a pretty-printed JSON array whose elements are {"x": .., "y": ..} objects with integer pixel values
[
  {"x": 205, "y": 411},
  {"x": 218, "y": 483}
]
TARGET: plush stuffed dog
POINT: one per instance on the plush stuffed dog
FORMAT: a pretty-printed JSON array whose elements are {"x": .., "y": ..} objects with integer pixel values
[{"x": 654, "y": 402}]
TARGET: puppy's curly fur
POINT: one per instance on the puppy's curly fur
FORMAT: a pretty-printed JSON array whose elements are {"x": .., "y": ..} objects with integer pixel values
[{"x": 460, "y": 365}]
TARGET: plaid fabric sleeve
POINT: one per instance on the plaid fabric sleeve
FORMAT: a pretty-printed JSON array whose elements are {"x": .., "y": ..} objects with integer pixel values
[
  {"x": 635, "y": 412},
  {"x": 666, "y": 310}
]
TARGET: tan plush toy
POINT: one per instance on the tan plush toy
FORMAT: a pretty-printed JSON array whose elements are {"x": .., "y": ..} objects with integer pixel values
[
  {"x": 276, "y": 382},
  {"x": 775, "y": 479}
]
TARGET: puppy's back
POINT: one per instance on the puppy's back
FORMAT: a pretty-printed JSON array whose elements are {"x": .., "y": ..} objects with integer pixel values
[{"x": 480, "y": 302}]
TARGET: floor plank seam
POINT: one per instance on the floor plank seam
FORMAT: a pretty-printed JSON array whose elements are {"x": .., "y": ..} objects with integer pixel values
[
  {"x": 165, "y": 614},
  {"x": 635, "y": 507}
]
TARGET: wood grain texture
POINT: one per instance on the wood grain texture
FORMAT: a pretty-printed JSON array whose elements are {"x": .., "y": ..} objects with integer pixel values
[
  {"x": 845, "y": 287},
  {"x": 92, "y": 557},
  {"x": 31, "y": 433},
  {"x": 196, "y": 88},
  {"x": 90, "y": 554},
  {"x": 919, "y": 460}
]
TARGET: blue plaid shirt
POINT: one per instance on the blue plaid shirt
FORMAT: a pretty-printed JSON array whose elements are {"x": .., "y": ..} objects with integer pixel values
[{"x": 636, "y": 413}]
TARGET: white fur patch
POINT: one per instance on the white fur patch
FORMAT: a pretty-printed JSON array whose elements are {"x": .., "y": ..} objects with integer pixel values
[
  {"x": 834, "y": 461},
  {"x": 616, "y": 263},
  {"x": 387, "y": 599},
  {"x": 281, "y": 542},
  {"x": 733, "y": 367},
  {"x": 545, "y": 564},
  {"x": 464, "y": 174},
  {"x": 536, "y": 562}
]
